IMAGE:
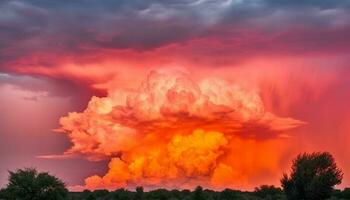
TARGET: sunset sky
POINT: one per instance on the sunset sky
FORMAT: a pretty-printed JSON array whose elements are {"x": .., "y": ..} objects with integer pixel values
[{"x": 172, "y": 94}]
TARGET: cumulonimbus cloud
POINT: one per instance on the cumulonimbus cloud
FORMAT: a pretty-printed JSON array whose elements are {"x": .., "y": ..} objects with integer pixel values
[{"x": 172, "y": 131}]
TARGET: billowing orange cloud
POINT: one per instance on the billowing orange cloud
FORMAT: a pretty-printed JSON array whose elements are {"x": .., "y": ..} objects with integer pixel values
[{"x": 174, "y": 131}]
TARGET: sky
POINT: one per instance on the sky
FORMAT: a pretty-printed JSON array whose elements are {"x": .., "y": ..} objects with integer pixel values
[{"x": 172, "y": 94}]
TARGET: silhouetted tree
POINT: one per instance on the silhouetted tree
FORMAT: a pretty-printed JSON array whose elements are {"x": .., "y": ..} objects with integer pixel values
[
  {"x": 268, "y": 192},
  {"x": 2, "y": 194},
  {"x": 139, "y": 193},
  {"x": 100, "y": 194},
  {"x": 160, "y": 194},
  {"x": 28, "y": 184},
  {"x": 346, "y": 193},
  {"x": 87, "y": 194},
  {"x": 176, "y": 194},
  {"x": 228, "y": 194},
  {"x": 122, "y": 194},
  {"x": 313, "y": 177},
  {"x": 198, "y": 193}
]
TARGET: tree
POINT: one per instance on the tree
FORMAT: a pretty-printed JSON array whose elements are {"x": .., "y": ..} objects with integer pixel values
[
  {"x": 139, "y": 193},
  {"x": 122, "y": 194},
  {"x": 100, "y": 193},
  {"x": 268, "y": 192},
  {"x": 312, "y": 177},
  {"x": 198, "y": 193},
  {"x": 28, "y": 184},
  {"x": 2, "y": 194},
  {"x": 228, "y": 194},
  {"x": 346, "y": 193}
]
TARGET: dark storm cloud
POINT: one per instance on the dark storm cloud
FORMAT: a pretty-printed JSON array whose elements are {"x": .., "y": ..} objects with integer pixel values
[
  {"x": 324, "y": 4},
  {"x": 42, "y": 32},
  {"x": 69, "y": 28}
]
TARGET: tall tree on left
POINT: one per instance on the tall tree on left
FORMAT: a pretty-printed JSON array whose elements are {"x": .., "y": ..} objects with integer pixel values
[{"x": 29, "y": 184}]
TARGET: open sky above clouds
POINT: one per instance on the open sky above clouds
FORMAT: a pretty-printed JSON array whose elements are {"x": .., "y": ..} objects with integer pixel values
[{"x": 281, "y": 66}]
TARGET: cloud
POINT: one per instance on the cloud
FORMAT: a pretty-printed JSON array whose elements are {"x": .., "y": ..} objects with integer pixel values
[
  {"x": 44, "y": 86},
  {"x": 54, "y": 35},
  {"x": 172, "y": 131},
  {"x": 183, "y": 158},
  {"x": 56, "y": 157}
]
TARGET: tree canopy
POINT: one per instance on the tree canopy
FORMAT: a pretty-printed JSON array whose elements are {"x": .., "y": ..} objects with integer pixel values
[
  {"x": 29, "y": 184},
  {"x": 312, "y": 177}
]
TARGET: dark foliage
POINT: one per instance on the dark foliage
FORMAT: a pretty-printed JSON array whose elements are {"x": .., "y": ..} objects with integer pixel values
[
  {"x": 261, "y": 193},
  {"x": 268, "y": 192},
  {"x": 345, "y": 194},
  {"x": 139, "y": 193},
  {"x": 313, "y": 177},
  {"x": 2, "y": 193},
  {"x": 28, "y": 184},
  {"x": 228, "y": 194},
  {"x": 162, "y": 194}
]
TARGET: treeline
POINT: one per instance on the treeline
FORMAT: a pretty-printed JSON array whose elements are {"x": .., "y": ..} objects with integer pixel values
[
  {"x": 261, "y": 193},
  {"x": 312, "y": 177}
]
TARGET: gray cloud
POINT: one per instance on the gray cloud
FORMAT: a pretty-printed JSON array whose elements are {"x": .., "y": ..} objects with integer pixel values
[{"x": 54, "y": 29}]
